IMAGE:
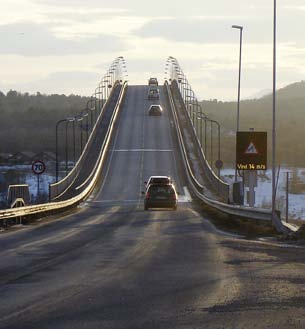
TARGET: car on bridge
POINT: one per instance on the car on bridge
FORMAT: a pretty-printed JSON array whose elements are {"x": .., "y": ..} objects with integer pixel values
[
  {"x": 153, "y": 93},
  {"x": 155, "y": 110},
  {"x": 160, "y": 196},
  {"x": 158, "y": 180},
  {"x": 153, "y": 82}
]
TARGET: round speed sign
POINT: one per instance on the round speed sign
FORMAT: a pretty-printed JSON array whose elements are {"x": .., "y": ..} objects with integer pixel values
[{"x": 38, "y": 167}]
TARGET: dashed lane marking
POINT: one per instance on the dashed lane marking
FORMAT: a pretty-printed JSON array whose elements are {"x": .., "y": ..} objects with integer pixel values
[
  {"x": 142, "y": 150},
  {"x": 186, "y": 197}
]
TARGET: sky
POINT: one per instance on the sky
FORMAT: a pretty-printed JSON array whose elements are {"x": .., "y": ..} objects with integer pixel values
[{"x": 66, "y": 46}]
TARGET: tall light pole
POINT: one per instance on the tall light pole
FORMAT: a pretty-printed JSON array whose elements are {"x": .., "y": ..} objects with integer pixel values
[
  {"x": 72, "y": 119},
  {"x": 202, "y": 116},
  {"x": 240, "y": 28},
  {"x": 193, "y": 114},
  {"x": 218, "y": 126},
  {"x": 56, "y": 147},
  {"x": 82, "y": 116},
  {"x": 91, "y": 109},
  {"x": 273, "y": 113}
]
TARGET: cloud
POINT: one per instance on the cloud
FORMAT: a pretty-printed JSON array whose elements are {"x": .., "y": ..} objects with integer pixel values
[
  {"x": 81, "y": 83},
  {"x": 217, "y": 29},
  {"x": 198, "y": 30},
  {"x": 161, "y": 7},
  {"x": 29, "y": 39}
]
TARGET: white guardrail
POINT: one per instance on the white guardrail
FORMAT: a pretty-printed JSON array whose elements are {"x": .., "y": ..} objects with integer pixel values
[
  {"x": 234, "y": 210},
  {"x": 53, "y": 207},
  {"x": 220, "y": 186}
]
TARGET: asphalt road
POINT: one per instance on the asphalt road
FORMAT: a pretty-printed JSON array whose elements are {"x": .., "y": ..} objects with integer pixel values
[{"x": 113, "y": 265}]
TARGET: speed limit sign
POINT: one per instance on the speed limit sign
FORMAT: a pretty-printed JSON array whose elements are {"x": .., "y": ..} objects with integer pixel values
[{"x": 38, "y": 167}]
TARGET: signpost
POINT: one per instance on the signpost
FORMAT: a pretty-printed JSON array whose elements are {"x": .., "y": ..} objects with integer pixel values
[
  {"x": 38, "y": 168},
  {"x": 251, "y": 150},
  {"x": 251, "y": 155}
]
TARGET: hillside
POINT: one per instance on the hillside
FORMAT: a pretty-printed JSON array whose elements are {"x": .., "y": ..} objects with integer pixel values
[
  {"x": 27, "y": 122},
  {"x": 24, "y": 113},
  {"x": 293, "y": 91},
  {"x": 257, "y": 114}
]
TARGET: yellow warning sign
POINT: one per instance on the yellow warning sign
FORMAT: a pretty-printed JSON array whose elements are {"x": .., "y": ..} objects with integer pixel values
[{"x": 251, "y": 150}]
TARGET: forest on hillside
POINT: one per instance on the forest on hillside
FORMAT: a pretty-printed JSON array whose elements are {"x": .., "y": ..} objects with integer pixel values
[
  {"x": 27, "y": 122},
  {"x": 257, "y": 114}
]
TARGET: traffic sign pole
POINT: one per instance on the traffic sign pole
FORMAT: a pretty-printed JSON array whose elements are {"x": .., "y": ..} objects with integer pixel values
[
  {"x": 38, "y": 194},
  {"x": 38, "y": 167}
]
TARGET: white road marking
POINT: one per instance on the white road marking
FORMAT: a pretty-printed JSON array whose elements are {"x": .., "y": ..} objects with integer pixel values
[
  {"x": 186, "y": 197},
  {"x": 105, "y": 201},
  {"x": 142, "y": 150}
]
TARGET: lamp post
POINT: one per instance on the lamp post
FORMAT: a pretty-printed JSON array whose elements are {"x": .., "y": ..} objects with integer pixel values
[
  {"x": 74, "y": 151},
  {"x": 182, "y": 81},
  {"x": 273, "y": 113},
  {"x": 240, "y": 28},
  {"x": 80, "y": 119},
  {"x": 123, "y": 68},
  {"x": 168, "y": 71},
  {"x": 218, "y": 126},
  {"x": 97, "y": 102},
  {"x": 193, "y": 116},
  {"x": 191, "y": 105},
  {"x": 56, "y": 147},
  {"x": 91, "y": 109},
  {"x": 85, "y": 113},
  {"x": 100, "y": 99},
  {"x": 169, "y": 68},
  {"x": 110, "y": 74},
  {"x": 66, "y": 146},
  {"x": 107, "y": 88},
  {"x": 202, "y": 116},
  {"x": 169, "y": 65}
]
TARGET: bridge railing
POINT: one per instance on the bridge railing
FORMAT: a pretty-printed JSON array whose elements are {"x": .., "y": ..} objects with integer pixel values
[
  {"x": 218, "y": 185},
  {"x": 103, "y": 97},
  {"x": 53, "y": 207},
  {"x": 192, "y": 112},
  {"x": 197, "y": 188},
  {"x": 57, "y": 189}
]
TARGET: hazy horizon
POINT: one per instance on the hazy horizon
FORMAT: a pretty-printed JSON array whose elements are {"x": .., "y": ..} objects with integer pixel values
[{"x": 64, "y": 47}]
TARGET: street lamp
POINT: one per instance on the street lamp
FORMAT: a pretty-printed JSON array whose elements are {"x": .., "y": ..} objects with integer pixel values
[
  {"x": 100, "y": 99},
  {"x": 191, "y": 110},
  {"x": 91, "y": 109},
  {"x": 85, "y": 113},
  {"x": 273, "y": 113},
  {"x": 80, "y": 119},
  {"x": 202, "y": 116},
  {"x": 182, "y": 82},
  {"x": 193, "y": 116},
  {"x": 66, "y": 146},
  {"x": 107, "y": 89},
  {"x": 56, "y": 146},
  {"x": 218, "y": 126},
  {"x": 97, "y": 99},
  {"x": 168, "y": 70},
  {"x": 240, "y": 28}
]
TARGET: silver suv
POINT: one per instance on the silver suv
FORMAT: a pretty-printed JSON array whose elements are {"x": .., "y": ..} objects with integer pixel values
[
  {"x": 153, "y": 93},
  {"x": 158, "y": 180},
  {"x": 153, "y": 82},
  {"x": 160, "y": 196}
]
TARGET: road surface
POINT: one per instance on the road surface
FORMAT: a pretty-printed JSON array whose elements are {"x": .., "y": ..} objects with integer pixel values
[{"x": 110, "y": 264}]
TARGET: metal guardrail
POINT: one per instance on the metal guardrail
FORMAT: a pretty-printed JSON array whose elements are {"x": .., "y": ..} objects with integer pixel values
[
  {"x": 222, "y": 188},
  {"x": 234, "y": 210},
  {"x": 53, "y": 207},
  {"x": 58, "y": 188}
]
